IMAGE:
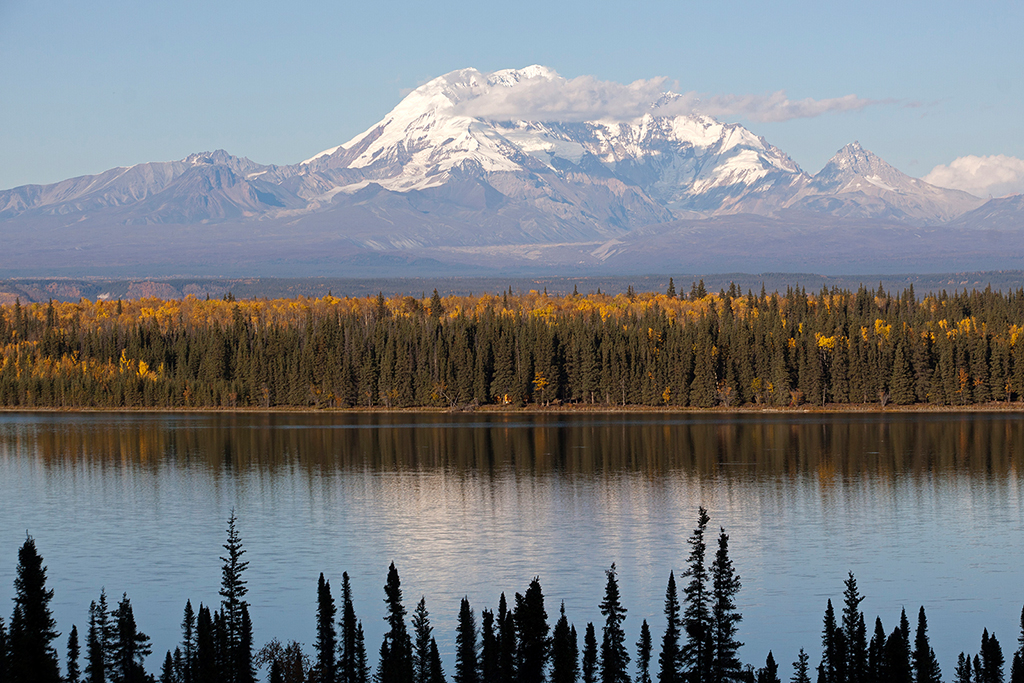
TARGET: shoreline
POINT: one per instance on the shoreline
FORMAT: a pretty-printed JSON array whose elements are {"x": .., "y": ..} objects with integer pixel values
[{"x": 832, "y": 409}]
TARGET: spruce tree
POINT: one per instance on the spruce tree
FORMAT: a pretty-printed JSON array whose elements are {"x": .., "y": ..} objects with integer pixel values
[
  {"x": 725, "y": 618},
  {"x": 98, "y": 641},
  {"x": 897, "y": 658},
  {"x": 991, "y": 659},
  {"x": 801, "y": 668},
  {"x": 876, "y": 654},
  {"x": 436, "y": 672},
  {"x": 565, "y": 667},
  {"x": 421, "y": 630},
  {"x": 245, "y": 671},
  {"x": 614, "y": 656},
  {"x": 668, "y": 660},
  {"x": 466, "y": 664},
  {"x": 926, "y": 665},
  {"x": 962, "y": 673},
  {"x": 362, "y": 670},
  {"x": 770, "y": 672},
  {"x": 188, "y": 644},
  {"x": 326, "y": 635},
  {"x": 168, "y": 674},
  {"x": 31, "y": 655},
  {"x": 205, "y": 668},
  {"x": 506, "y": 643},
  {"x": 643, "y": 654},
  {"x": 488, "y": 647},
  {"x": 696, "y": 612},
  {"x": 73, "y": 672},
  {"x": 131, "y": 646},
  {"x": 347, "y": 646},
  {"x": 589, "y": 667},
  {"x": 396, "y": 660},
  {"x": 833, "y": 658},
  {"x": 532, "y": 628},
  {"x": 232, "y": 591},
  {"x": 854, "y": 633}
]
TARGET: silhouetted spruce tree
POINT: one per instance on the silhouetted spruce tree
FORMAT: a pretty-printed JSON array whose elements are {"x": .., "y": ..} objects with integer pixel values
[
  {"x": 326, "y": 635},
  {"x": 276, "y": 672},
  {"x": 991, "y": 659},
  {"x": 770, "y": 672},
  {"x": 488, "y": 647},
  {"x": 725, "y": 584},
  {"x": 168, "y": 674},
  {"x": 436, "y": 671},
  {"x": 73, "y": 674},
  {"x": 421, "y": 630},
  {"x": 696, "y": 611},
  {"x": 854, "y": 633},
  {"x": 614, "y": 655},
  {"x": 876, "y": 654},
  {"x": 962, "y": 673},
  {"x": 98, "y": 641},
  {"x": 205, "y": 668},
  {"x": 668, "y": 660},
  {"x": 506, "y": 643},
  {"x": 131, "y": 646},
  {"x": 589, "y": 667},
  {"x": 897, "y": 657},
  {"x": 396, "y": 651},
  {"x": 643, "y": 654},
  {"x": 362, "y": 670},
  {"x": 188, "y": 644},
  {"x": 466, "y": 664},
  {"x": 232, "y": 591},
  {"x": 926, "y": 665},
  {"x": 31, "y": 655},
  {"x": 833, "y": 657},
  {"x": 246, "y": 671},
  {"x": 531, "y": 623},
  {"x": 347, "y": 646},
  {"x": 565, "y": 666},
  {"x": 801, "y": 668}
]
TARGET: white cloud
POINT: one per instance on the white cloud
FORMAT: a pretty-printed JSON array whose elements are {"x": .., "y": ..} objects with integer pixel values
[
  {"x": 995, "y": 176},
  {"x": 777, "y": 106},
  {"x": 585, "y": 98}
]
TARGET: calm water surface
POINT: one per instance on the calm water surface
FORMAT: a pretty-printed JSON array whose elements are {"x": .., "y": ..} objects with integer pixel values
[{"x": 924, "y": 509}]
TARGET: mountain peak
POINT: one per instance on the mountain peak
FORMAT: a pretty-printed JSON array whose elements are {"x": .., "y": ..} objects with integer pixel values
[{"x": 854, "y": 164}]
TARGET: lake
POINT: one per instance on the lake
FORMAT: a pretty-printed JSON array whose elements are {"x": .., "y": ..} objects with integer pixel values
[{"x": 925, "y": 509}]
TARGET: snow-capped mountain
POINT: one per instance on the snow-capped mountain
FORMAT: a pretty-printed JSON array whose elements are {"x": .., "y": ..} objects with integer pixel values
[
  {"x": 857, "y": 183},
  {"x": 471, "y": 162},
  {"x": 691, "y": 164}
]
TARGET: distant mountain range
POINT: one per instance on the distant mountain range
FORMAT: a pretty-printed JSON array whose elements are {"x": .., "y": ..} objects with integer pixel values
[{"x": 434, "y": 189}]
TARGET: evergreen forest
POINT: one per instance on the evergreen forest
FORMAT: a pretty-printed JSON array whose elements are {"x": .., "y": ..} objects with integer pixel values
[
  {"x": 698, "y": 642},
  {"x": 671, "y": 349}
]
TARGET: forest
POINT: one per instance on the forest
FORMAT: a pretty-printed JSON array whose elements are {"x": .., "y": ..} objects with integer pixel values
[
  {"x": 513, "y": 644},
  {"x": 674, "y": 349}
]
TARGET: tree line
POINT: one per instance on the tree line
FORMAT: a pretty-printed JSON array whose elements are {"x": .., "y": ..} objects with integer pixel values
[
  {"x": 696, "y": 350},
  {"x": 514, "y": 644}
]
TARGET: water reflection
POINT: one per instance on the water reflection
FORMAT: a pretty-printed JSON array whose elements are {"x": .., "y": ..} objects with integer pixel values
[{"x": 725, "y": 445}]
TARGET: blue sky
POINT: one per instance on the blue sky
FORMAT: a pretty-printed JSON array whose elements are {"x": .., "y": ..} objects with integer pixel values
[{"x": 90, "y": 86}]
